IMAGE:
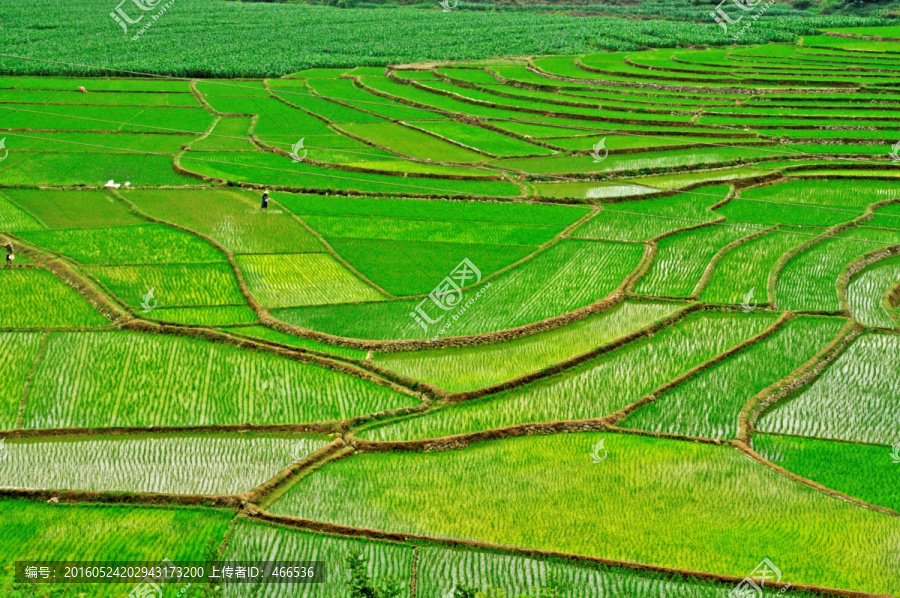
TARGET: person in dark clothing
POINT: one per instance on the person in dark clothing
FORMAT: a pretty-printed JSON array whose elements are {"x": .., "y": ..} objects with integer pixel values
[
  {"x": 10, "y": 253},
  {"x": 265, "y": 201}
]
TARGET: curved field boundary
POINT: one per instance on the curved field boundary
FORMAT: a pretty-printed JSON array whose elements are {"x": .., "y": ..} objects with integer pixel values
[
  {"x": 575, "y": 104},
  {"x": 711, "y": 266},
  {"x": 630, "y": 121},
  {"x": 374, "y": 534},
  {"x": 744, "y": 448},
  {"x": 653, "y": 247},
  {"x": 60, "y": 267},
  {"x": 572, "y": 362},
  {"x": 858, "y": 266},
  {"x": 802, "y": 376},
  {"x": 614, "y": 418}
]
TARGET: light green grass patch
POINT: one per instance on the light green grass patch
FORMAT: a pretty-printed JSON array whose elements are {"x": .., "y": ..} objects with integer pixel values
[
  {"x": 205, "y": 316},
  {"x": 303, "y": 279},
  {"x": 75, "y": 532},
  {"x": 467, "y": 368},
  {"x": 131, "y": 379},
  {"x": 179, "y": 285},
  {"x": 33, "y": 298},
  {"x": 72, "y": 209},
  {"x": 18, "y": 350},
  {"x": 231, "y": 217},
  {"x": 265, "y": 333},
  {"x": 661, "y": 487},
  {"x": 144, "y": 244}
]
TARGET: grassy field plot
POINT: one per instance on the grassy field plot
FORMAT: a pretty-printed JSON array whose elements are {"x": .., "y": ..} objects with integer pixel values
[
  {"x": 708, "y": 404},
  {"x": 422, "y": 493},
  {"x": 257, "y": 541},
  {"x": 303, "y": 279},
  {"x": 641, "y": 220},
  {"x": 231, "y": 463},
  {"x": 468, "y": 368},
  {"x": 746, "y": 268},
  {"x": 33, "y": 298},
  {"x": 183, "y": 285},
  {"x": 594, "y": 389},
  {"x": 144, "y": 244},
  {"x": 72, "y": 209},
  {"x": 130, "y": 379},
  {"x": 864, "y": 471},
  {"x": 854, "y": 399},
  {"x": 867, "y": 293},
  {"x": 682, "y": 259},
  {"x": 809, "y": 280},
  {"x": 67, "y": 532},
  {"x": 569, "y": 275},
  {"x": 230, "y": 217}
]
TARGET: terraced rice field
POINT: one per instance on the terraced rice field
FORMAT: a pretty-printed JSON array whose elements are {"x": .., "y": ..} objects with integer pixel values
[{"x": 575, "y": 326}]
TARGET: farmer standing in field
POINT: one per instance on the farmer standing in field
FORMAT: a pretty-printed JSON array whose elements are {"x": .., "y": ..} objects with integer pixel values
[
  {"x": 10, "y": 253},
  {"x": 265, "y": 200}
]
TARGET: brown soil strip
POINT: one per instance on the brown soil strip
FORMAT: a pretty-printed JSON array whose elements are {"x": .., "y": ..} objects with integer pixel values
[
  {"x": 298, "y": 468},
  {"x": 374, "y": 534},
  {"x": 459, "y": 441},
  {"x": 337, "y": 450},
  {"x": 130, "y": 498},
  {"x": 20, "y": 418},
  {"x": 413, "y": 572}
]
